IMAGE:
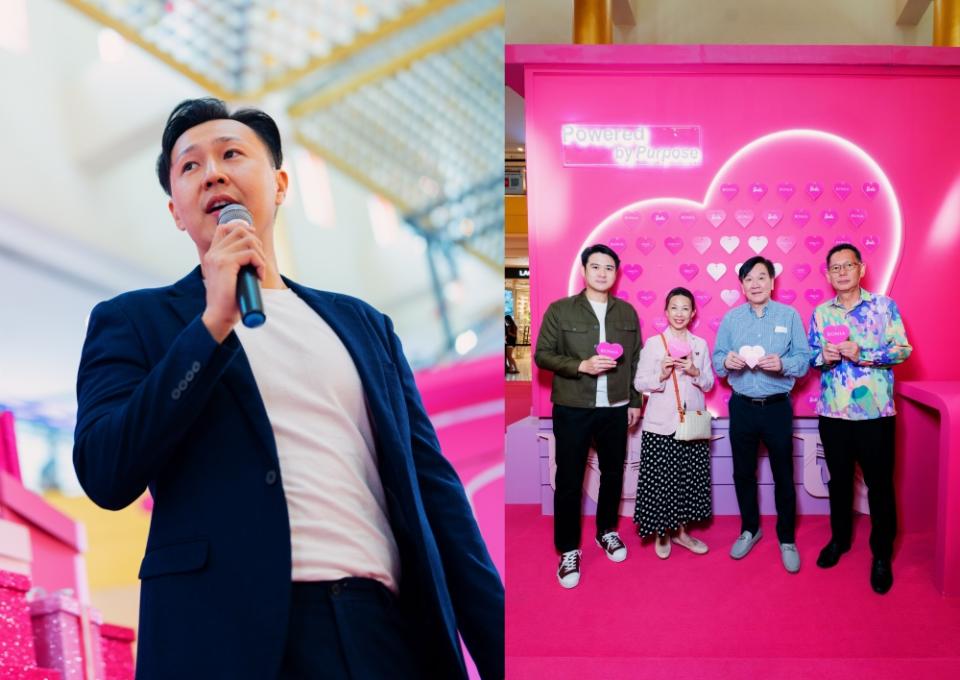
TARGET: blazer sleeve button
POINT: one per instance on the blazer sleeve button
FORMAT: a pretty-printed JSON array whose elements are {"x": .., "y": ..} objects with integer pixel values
[{"x": 271, "y": 477}]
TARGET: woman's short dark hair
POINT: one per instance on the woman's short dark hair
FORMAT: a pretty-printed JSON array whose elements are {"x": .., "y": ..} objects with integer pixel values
[
  {"x": 192, "y": 112},
  {"x": 680, "y": 290},
  {"x": 599, "y": 248},
  {"x": 748, "y": 266}
]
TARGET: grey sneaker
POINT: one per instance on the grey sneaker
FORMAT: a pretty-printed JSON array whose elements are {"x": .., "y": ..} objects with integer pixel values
[
  {"x": 568, "y": 573},
  {"x": 612, "y": 545},
  {"x": 744, "y": 543},
  {"x": 790, "y": 557}
]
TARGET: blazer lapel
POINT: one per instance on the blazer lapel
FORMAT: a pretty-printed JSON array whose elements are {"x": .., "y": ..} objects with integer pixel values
[{"x": 189, "y": 300}]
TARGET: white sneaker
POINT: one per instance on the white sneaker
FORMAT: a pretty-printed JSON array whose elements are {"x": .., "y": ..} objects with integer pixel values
[
  {"x": 612, "y": 545},
  {"x": 569, "y": 571}
]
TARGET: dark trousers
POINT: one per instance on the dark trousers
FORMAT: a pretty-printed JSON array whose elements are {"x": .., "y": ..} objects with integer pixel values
[
  {"x": 574, "y": 429},
  {"x": 351, "y": 629},
  {"x": 772, "y": 424},
  {"x": 870, "y": 443}
]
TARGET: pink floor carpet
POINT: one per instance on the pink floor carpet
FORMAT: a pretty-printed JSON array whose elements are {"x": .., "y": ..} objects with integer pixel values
[{"x": 711, "y": 617}]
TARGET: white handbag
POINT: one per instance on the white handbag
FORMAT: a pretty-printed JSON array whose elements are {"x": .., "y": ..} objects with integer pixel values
[{"x": 693, "y": 425}]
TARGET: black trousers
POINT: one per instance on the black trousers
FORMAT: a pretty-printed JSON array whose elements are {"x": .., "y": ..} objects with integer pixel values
[
  {"x": 574, "y": 429},
  {"x": 772, "y": 424},
  {"x": 870, "y": 443},
  {"x": 351, "y": 629}
]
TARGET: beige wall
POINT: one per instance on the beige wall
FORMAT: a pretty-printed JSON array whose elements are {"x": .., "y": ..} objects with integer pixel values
[{"x": 855, "y": 22}]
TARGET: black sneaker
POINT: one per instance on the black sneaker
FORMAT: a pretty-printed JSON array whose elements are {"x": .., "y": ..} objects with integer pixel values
[
  {"x": 613, "y": 546},
  {"x": 569, "y": 571}
]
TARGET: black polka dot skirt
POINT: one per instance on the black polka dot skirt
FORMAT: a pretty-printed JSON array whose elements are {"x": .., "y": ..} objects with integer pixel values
[{"x": 674, "y": 484}]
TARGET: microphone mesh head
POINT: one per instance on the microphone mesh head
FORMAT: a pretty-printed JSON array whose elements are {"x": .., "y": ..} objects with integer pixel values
[{"x": 234, "y": 211}]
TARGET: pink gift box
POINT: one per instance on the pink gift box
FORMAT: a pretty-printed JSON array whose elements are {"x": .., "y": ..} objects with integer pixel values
[
  {"x": 117, "y": 644},
  {"x": 16, "y": 634},
  {"x": 57, "y": 634},
  {"x": 15, "y": 549},
  {"x": 32, "y": 673}
]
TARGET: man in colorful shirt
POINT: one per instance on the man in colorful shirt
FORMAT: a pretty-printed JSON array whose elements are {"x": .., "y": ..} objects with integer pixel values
[{"x": 856, "y": 405}]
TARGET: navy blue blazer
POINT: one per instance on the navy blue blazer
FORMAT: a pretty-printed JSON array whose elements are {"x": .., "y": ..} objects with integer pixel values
[{"x": 162, "y": 405}]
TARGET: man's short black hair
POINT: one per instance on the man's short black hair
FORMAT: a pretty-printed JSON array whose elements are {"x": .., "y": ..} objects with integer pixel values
[
  {"x": 748, "y": 266},
  {"x": 680, "y": 290},
  {"x": 192, "y": 112},
  {"x": 599, "y": 248},
  {"x": 844, "y": 246}
]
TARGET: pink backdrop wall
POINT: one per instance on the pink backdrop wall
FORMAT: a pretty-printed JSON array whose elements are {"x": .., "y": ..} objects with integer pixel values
[{"x": 801, "y": 147}]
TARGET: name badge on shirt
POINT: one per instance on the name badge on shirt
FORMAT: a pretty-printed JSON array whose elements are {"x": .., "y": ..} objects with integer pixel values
[{"x": 780, "y": 329}]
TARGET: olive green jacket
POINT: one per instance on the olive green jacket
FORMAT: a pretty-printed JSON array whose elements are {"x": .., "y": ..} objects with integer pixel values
[{"x": 570, "y": 333}]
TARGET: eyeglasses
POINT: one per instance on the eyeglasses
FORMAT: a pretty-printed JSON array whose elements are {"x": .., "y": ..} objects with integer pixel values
[{"x": 845, "y": 267}]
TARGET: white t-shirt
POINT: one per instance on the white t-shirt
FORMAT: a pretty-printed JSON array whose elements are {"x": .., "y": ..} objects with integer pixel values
[
  {"x": 328, "y": 458},
  {"x": 600, "y": 309}
]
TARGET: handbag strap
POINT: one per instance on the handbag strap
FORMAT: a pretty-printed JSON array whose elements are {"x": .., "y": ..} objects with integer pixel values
[{"x": 673, "y": 374}]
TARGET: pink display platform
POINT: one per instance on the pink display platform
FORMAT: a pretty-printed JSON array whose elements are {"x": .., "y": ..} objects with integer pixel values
[{"x": 929, "y": 439}]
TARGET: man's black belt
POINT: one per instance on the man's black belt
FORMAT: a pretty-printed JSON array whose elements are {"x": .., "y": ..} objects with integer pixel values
[{"x": 763, "y": 401}]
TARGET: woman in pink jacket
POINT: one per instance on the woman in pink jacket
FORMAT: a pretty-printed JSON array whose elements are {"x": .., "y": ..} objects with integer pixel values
[{"x": 673, "y": 489}]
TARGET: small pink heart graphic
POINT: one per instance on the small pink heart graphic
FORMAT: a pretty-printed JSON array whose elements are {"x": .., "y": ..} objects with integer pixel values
[
  {"x": 729, "y": 296},
  {"x": 701, "y": 244},
  {"x": 813, "y": 295},
  {"x": 660, "y": 217},
  {"x": 801, "y": 217},
  {"x": 689, "y": 271},
  {"x": 829, "y": 217},
  {"x": 842, "y": 238},
  {"x": 786, "y": 296},
  {"x": 814, "y": 189},
  {"x": 702, "y": 297},
  {"x": 786, "y": 243},
  {"x": 751, "y": 354},
  {"x": 786, "y": 190},
  {"x": 623, "y": 295},
  {"x": 729, "y": 190},
  {"x": 870, "y": 189},
  {"x": 618, "y": 244},
  {"x": 631, "y": 218},
  {"x": 729, "y": 243},
  {"x": 758, "y": 190},
  {"x": 744, "y": 217},
  {"x": 660, "y": 324},
  {"x": 823, "y": 268},
  {"x": 857, "y": 216},
  {"x": 646, "y": 297},
  {"x": 632, "y": 271},
  {"x": 673, "y": 243},
  {"x": 757, "y": 243},
  {"x": 679, "y": 348},
  {"x": 715, "y": 323},
  {"x": 693, "y": 324},
  {"x": 842, "y": 190},
  {"x": 801, "y": 271},
  {"x": 836, "y": 334},
  {"x": 687, "y": 218},
  {"x": 716, "y": 217},
  {"x": 870, "y": 243},
  {"x": 813, "y": 243},
  {"x": 645, "y": 244},
  {"x": 716, "y": 270},
  {"x": 772, "y": 217},
  {"x": 612, "y": 350}
]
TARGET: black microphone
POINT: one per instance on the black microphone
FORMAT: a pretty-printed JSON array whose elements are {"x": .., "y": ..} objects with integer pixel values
[{"x": 248, "y": 286}]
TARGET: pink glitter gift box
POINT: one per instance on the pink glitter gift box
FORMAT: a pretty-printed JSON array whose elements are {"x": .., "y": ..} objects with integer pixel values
[
  {"x": 117, "y": 651},
  {"x": 57, "y": 634},
  {"x": 16, "y": 635}
]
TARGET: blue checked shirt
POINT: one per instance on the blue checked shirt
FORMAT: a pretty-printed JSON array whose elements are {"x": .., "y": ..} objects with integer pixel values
[{"x": 779, "y": 331}]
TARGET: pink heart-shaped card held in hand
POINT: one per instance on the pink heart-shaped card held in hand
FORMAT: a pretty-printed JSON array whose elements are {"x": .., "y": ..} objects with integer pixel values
[
  {"x": 679, "y": 348},
  {"x": 751, "y": 354},
  {"x": 613, "y": 350},
  {"x": 836, "y": 334}
]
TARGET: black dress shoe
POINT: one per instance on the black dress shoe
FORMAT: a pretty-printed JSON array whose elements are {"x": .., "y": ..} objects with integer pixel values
[
  {"x": 881, "y": 576},
  {"x": 830, "y": 555}
]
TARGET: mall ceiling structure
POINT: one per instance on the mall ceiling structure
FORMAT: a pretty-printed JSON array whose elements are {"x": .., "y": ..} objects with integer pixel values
[{"x": 402, "y": 99}]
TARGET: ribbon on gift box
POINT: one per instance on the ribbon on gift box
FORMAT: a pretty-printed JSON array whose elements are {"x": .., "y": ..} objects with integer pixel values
[{"x": 91, "y": 657}]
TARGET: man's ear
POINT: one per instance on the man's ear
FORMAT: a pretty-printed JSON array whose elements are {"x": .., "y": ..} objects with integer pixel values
[
  {"x": 282, "y": 183},
  {"x": 176, "y": 217}
]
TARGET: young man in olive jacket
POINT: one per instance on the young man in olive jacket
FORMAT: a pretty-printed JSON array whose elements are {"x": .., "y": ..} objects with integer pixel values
[{"x": 593, "y": 401}]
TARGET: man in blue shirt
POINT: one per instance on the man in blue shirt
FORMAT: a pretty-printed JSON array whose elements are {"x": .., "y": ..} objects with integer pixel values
[{"x": 762, "y": 349}]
